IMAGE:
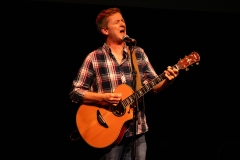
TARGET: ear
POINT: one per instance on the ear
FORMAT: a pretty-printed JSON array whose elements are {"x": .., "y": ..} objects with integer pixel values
[{"x": 104, "y": 31}]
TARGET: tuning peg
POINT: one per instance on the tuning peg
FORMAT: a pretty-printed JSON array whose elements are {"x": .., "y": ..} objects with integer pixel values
[
  {"x": 197, "y": 63},
  {"x": 187, "y": 69}
]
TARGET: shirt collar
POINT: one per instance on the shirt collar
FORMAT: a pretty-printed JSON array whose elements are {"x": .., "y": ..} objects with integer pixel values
[{"x": 108, "y": 49}]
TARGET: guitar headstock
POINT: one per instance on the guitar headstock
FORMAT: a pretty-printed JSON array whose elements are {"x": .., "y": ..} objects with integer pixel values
[{"x": 192, "y": 58}]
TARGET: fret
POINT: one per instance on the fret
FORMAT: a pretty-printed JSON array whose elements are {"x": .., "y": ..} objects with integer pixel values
[
  {"x": 139, "y": 93},
  {"x": 124, "y": 103},
  {"x": 144, "y": 90},
  {"x": 152, "y": 84},
  {"x": 132, "y": 98},
  {"x": 147, "y": 88},
  {"x": 128, "y": 100}
]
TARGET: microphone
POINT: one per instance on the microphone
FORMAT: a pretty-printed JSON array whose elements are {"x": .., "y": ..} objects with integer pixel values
[{"x": 127, "y": 39}]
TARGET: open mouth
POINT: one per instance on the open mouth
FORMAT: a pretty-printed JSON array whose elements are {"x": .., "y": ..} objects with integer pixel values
[{"x": 122, "y": 31}]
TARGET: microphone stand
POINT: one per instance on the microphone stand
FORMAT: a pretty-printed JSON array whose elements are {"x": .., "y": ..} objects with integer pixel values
[{"x": 136, "y": 108}]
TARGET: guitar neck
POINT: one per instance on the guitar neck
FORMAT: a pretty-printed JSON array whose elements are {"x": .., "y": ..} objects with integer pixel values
[
  {"x": 142, "y": 91},
  {"x": 182, "y": 64}
]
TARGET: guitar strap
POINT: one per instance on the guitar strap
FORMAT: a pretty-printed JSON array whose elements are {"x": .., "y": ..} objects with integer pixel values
[
  {"x": 138, "y": 79},
  {"x": 134, "y": 59}
]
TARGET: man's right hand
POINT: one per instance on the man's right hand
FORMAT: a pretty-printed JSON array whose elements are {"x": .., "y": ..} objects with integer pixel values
[{"x": 112, "y": 98}]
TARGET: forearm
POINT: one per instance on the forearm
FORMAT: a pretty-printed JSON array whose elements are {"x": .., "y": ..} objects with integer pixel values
[
  {"x": 93, "y": 98},
  {"x": 170, "y": 75},
  {"x": 86, "y": 97},
  {"x": 161, "y": 86},
  {"x": 102, "y": 99}
]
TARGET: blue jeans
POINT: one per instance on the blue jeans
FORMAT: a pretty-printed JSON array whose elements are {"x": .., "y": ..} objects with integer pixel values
[{"x": 123, "y": 151}]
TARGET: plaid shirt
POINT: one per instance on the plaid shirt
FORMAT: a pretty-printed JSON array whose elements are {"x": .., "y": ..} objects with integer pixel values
[{"x": 101, "y": 73}]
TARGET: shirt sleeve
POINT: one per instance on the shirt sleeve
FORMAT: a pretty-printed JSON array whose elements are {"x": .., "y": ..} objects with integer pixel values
[
  {"x": 82, "y": 82},
  {"x": 147, "y": 70}
]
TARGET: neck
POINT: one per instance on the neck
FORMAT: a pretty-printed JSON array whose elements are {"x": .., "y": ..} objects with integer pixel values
[{"x": 115, "y": 47}]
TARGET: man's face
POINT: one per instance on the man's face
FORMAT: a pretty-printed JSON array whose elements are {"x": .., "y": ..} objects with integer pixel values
[{"x": 116, "y": 27}]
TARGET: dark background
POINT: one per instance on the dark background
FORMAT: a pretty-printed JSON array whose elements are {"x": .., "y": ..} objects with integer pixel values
[{"x": 195, "y": 118}]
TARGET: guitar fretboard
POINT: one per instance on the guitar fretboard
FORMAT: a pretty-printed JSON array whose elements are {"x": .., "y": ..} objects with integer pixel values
[
  {"x": 145, "y": 89},
  {"x": 142, "y": 91}
]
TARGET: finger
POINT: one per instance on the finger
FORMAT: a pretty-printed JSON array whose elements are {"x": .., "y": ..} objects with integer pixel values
[
  {"x": 169, "y": 67},
  {"x": 167, "y": 73},
  {"x": 169, "y": 76},
  {"x": 172, "y": 69},
  {"x": 173, "y": 72},
  {"x": 116, "y": 95},
  {"x": 114, "y": 100},
  {"x": 119, "y": 95}
]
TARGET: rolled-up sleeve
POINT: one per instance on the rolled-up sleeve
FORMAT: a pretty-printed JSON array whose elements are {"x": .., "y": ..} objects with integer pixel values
[{"x": 82, "y": 82}]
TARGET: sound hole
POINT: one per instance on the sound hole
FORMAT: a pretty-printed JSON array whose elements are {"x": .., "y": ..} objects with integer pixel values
[{"x": 118, "y": 110}]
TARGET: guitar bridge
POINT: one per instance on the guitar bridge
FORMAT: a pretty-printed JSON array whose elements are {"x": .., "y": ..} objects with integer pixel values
[{"x": 100, "y": 119}]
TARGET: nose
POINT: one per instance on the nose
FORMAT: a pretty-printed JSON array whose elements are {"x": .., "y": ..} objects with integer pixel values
[{"x": 123, "y": 22}]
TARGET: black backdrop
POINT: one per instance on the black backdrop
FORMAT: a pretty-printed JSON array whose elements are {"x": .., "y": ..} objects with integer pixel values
[{"x": 196, "y": 118}]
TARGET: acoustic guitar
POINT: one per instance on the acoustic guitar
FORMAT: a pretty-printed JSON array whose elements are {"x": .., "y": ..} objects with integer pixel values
[{"x": 104, "y": 127}]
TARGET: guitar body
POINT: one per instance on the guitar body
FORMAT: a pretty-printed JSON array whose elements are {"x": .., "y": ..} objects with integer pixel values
[{"x": 102, "y": 135}]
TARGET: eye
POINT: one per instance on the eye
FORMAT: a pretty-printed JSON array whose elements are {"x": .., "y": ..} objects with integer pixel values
[{"x": 117, "y": 21}]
